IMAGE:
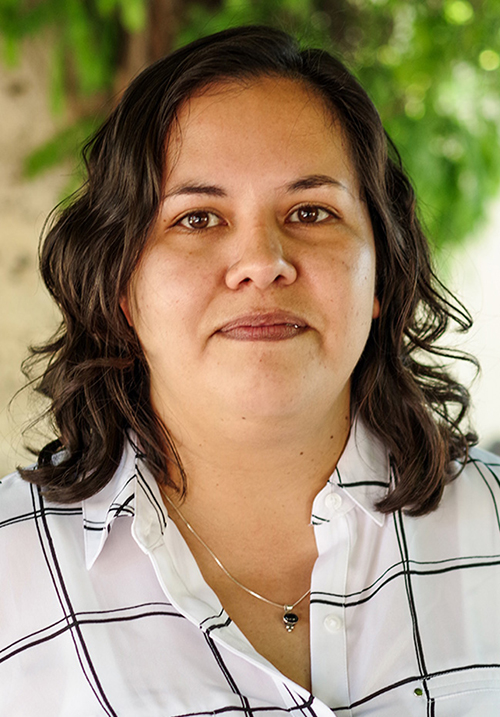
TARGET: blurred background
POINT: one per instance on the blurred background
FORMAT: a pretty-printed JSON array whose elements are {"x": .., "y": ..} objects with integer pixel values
[{"x": 432, "y": 69}]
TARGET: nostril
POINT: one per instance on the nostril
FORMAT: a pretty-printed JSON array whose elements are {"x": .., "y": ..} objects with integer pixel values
[{"x": 259, "y": 267}]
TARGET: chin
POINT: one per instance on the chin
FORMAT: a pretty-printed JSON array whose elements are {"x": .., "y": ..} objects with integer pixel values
[{"x": 275, "y": 401}]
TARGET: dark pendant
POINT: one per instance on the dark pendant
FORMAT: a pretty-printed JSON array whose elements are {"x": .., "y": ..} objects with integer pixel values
[{"x": 290, "y": 619}]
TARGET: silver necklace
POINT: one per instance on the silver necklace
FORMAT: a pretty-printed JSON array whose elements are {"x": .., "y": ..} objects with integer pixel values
[{"x": 290, "y": 618}]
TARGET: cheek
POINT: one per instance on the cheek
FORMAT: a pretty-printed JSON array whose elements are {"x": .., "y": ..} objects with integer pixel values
[
  {"x": 348, "y": 278},
  {"x": 347, "y": 286},
  {"x": 363, "y": 283},
  {"x": 168, "y": 300},
  {"x": 158, "y": 288}
]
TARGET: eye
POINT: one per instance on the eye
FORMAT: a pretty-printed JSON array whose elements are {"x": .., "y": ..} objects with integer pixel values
[
  {"x": 309, "y": 214},
  {"x": 199, "y": 219}
]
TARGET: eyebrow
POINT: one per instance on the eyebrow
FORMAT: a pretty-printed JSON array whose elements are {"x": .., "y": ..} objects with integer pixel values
[
  {"x": 210, "y": 190},
  {"x": 311, "y": 181}
]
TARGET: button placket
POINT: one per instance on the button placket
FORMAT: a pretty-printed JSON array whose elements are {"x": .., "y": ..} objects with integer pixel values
[{"x": 328, "y": 637}]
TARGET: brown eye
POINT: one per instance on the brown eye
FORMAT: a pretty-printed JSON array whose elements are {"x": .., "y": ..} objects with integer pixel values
[
  {"x": 309, "y": 214},
  {"x": 199, "y": 220}
]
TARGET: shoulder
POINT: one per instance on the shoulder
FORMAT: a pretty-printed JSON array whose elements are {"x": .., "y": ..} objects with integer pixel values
[
  {"x": 17, "y": 500},
  {"x": 480, "y": 477},
  {"x": 23, "y": 510},
  {"x": 468, "y": 516},
  {"x": 481, "y": 461},
  {"x": 19, "y": 518}
]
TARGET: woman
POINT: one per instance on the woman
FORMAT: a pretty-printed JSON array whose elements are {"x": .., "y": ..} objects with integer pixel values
[{"x": 253, "y": 504}]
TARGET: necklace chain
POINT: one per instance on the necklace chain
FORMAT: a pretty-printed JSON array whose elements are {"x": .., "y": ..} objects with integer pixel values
[{"x": 289, "y": 618}]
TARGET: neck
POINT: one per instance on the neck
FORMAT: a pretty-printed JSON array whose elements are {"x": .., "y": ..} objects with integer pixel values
[{"x": 260, "y": 467}]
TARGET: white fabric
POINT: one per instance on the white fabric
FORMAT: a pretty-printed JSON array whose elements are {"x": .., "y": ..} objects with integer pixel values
[{"x": 103, "y": 610}]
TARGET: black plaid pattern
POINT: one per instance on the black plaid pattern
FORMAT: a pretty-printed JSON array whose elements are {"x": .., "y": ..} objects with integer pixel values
[{"x": 102, "y": 611}]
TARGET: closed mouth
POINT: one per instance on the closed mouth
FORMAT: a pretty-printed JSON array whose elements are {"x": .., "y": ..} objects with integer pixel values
[{"x": 268, "y": 326}]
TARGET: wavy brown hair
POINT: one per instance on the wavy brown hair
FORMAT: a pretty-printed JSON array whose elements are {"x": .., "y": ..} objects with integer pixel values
[{"x": 96, "y": 376}]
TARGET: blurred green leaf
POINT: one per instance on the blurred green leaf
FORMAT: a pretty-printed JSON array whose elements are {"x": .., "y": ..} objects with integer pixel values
[
  {"x": 63, "y": 146},
  {"x": 10, "y": 51},
  {"x": 57, "y": 84},
  {"x": 106, "y": 7},
  {"x": 133, "y": 14},
  {"x": 432, "y": 70}
]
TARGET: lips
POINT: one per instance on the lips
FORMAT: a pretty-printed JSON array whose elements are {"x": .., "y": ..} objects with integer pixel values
[{"x": 269, "y": 326}]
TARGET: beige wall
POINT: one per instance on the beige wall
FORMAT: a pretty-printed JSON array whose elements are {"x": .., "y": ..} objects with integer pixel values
[
  {"x": 475, "y": 277},
  {"x": 27, "y": 315}
]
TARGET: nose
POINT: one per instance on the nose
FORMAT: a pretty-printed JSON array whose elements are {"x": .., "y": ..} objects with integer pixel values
[{"x": 261, "y": 260}]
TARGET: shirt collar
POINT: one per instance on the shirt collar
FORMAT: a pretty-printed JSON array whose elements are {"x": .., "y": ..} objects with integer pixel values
[
  {"x": 125, "y": 495},
  {"x": 363, "y": 471}
]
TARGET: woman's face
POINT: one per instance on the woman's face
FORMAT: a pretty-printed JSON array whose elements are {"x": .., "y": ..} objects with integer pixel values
[{"x": 255, "y": 295}]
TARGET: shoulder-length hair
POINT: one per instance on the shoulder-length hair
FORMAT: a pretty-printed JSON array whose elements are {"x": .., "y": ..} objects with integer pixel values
[{"x": 97, "y": 378}]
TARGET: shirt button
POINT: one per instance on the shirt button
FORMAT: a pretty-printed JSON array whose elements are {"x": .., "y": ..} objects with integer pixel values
[
  {"x": 333, "y": 501},
  {"x": 333, "y": 623}
]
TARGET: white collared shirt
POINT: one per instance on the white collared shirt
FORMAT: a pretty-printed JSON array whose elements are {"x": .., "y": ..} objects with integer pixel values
[{"x": 103, "y": 610}]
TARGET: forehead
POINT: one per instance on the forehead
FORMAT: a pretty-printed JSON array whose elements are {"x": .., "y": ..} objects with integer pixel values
[
  {"x": 258, "y": 124},
  {"x": 277, "y": 95}
]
